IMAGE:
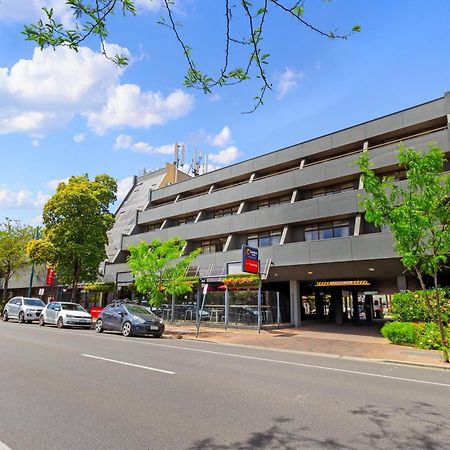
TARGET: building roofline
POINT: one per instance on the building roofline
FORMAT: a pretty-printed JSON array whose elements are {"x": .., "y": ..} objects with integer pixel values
[{"x": 322, "y": 136}]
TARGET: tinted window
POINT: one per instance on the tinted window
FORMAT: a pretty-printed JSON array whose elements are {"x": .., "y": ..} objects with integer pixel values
[
  {"x": 72, "y": 307},
  {"x": 33, "y": 302},
  {"x": 19, "y": 301},
  {"x": 137, "y": 309}
]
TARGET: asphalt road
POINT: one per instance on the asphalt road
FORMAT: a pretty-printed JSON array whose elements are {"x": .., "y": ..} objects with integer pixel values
[{"x": 74, "y": 389}]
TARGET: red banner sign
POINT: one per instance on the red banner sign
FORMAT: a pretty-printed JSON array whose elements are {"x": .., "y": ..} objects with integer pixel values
[{"x": 50, "y": 278}]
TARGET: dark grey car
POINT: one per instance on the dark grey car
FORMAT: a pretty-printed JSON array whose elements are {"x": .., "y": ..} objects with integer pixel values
[{"x": 130, "y": 319}]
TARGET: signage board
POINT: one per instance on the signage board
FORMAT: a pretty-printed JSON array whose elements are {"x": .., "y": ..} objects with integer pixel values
[
  {"x": 250, "y": 259},
  {"x": 342, "y": 283},
  {"x": 41, "y": 291}
]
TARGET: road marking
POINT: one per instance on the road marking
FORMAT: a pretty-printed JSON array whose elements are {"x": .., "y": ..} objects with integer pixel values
[
  {"x": 3, "y": 446},
  {"x": 312, "y": 366},
  {"x": 128, "y": 364}
]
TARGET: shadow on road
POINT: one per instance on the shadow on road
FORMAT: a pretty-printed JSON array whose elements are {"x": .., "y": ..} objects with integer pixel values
[
  {"x": 416, "y": 425},
  {"x": 276, "y": 437}
]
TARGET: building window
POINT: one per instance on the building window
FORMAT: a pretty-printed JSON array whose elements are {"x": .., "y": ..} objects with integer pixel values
[
  {"x": 231, "y": 211},
  {"x": 186, "y": 220},
  {"x": 335, "y": 189},
  {"x": 154, "y": 226},
  {"x": 213, "y": 245},
  {"x": 328, "y": 230},
  {"x": 268, "y": 203},
  {"x": 264, "y": 238}
]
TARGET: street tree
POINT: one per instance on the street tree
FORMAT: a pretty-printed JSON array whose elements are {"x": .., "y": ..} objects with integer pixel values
[
  {"x": 158, "y": 270},
  {"x": 76, "y": 219},
  {"x": 418, "y": 215},
  {"x": 14, "y": 237},
  {"x": 244, "y": 25}
]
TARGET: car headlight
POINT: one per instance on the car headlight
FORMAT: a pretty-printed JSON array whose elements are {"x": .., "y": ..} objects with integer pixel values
[{"x": 138, "y": 319}]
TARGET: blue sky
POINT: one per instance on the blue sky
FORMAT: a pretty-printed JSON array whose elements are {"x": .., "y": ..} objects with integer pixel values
[{"x": 64, "y": 113}]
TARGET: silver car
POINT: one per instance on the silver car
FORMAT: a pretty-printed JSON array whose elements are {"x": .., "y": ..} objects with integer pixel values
[{"x": 23, "y": 309}]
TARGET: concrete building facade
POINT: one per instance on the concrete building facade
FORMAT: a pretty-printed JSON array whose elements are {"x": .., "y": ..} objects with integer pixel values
[{"x": 300, "y": 207}]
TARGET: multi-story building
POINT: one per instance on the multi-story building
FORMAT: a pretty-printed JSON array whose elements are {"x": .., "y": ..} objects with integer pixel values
[{"x": 300, "y": 207}]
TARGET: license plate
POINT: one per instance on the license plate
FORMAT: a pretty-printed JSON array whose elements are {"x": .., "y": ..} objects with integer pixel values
[{"x": 154, "y": 328}]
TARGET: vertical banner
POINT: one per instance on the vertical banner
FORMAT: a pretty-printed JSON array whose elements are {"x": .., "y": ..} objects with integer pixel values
[{"x": 50, "y": 278}]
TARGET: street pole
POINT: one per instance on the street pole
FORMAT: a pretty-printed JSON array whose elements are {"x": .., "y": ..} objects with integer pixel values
[{"x": 30, "y": 286}]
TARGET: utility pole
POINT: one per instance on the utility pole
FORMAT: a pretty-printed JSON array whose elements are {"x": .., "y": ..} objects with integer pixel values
[{"x": 30, "y": 286}]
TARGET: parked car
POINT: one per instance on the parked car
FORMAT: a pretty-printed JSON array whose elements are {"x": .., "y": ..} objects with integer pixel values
[
  {"x": 130, "y": 319},
  {"x": 65, "y": 314},
  {"x": 24, "y": 309}
]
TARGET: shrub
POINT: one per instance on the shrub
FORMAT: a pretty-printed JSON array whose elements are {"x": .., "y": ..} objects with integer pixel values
[
  {"x": 429, "y": 337},
  {"x": 400, "y": 332},
  {"x": 411, "y": 306}
]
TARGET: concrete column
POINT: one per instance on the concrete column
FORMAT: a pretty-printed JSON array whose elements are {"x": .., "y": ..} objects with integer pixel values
[
  {"x": 296, "y": 317},
  {"x": 336, "y": 300},
  {"x": 402, "y": 284}
]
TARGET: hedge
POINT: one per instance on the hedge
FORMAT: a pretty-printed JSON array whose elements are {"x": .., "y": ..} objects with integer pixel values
[
  {"x": 422, "y": 335},
  {"x": 409, "y": 306}
]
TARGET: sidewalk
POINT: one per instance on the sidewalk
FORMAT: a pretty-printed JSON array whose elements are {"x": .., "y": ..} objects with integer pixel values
[{"x": 345, "y": 341}]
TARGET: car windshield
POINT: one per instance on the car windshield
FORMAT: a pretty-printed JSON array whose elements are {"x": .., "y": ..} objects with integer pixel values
[
  {"x": 33, "y": 302},
  {"x": 138, "y": 309},
  {"x": 72, "y": 307}
]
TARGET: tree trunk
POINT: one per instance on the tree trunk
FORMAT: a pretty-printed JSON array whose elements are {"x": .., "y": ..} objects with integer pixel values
[
  {"x": 76, "y": 276},
  {"x": 440, "y": 324},
  {"x": 5, "y": 288}
]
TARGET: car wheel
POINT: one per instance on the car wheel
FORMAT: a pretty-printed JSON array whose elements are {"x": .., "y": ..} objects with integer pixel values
[
  {"x": 21, "y": 317},
  {"x": 60, "y": 323},
  {"x": 29, "y": 321},
  {"x": 126, "y": 329},
  {"x": 41, "y": 321},
  {"x": 99, "y": 326},
  {"x": 158, "y": 335},
  {"x": 5, "y": 316}
]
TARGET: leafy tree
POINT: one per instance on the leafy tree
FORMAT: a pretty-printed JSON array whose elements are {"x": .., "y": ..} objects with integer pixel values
[
  {"x": 418, "y": 215},
  {"x": 92, "y": 20},
  {"x": 76, "y": 220},
  {"x": 14, "y": 237},
  {"x": 156, "y": 272}
]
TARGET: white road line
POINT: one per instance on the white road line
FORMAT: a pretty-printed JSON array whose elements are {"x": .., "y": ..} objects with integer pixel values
[
  {"x": 312, "y": 366},
  {"x": 3, "y": 446},
  {"x": 127, "y": 364}
]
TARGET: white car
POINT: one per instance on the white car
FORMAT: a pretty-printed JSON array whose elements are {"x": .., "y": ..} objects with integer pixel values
[
  {"x": 65, "y": 314},
  {"x": 23, "y": 309}
]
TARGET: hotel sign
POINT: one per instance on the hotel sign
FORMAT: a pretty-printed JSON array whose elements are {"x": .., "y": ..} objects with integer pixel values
[
  {"x": 250, "y": 259},
  {"x": 342, "y": 283}
]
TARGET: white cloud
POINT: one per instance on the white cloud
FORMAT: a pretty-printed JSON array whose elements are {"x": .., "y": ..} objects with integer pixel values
[
  {"x": 80, "y": 137},
  {"x": 123, "y": 187},
  {"x": 28, "y": 11},
  {"x": 223, "y": 138},
  {"x": 125, "y": 142},
  {"x": 128, "y": 105},
  {"x": 45, "y": 92},
  {"x": 150, "y": 5},
  {"x": 287, "y": 81},
  {"x": 36, "y": 221},
  {"x": 225, "y": 156},
  {"x": 53, "y": 184},
  {"x": 22, "y": 198}
]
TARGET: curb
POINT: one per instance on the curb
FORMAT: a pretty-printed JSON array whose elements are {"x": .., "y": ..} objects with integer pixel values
[{"x": 191, "y": 336}]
